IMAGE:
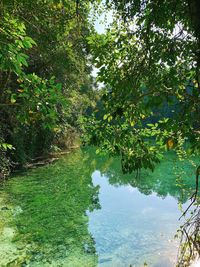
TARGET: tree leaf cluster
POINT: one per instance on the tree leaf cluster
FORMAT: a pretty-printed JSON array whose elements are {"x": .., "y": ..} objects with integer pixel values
[
  {"x": 44, "y": 72},
  {"x": 148, "y": 61}
]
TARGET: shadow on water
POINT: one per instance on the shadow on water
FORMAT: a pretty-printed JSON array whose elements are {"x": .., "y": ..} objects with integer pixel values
[{"x": 50, "y": 210}]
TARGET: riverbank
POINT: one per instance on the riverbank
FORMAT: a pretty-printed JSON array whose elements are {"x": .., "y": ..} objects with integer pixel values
[{"x": 48, "y": 158}]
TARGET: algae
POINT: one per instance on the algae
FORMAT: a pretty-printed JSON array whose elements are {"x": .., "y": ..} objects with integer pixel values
[{"x": 82, "y": 211}]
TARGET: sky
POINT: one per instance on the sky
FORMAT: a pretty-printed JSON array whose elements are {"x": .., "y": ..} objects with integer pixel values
[
  {"x": 100, "y": 26},
  {"x": 103, "y": 21}
]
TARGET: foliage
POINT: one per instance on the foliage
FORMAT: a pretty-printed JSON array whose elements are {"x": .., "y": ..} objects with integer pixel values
[
  {"x": 149, "y": 63},
  {"x": 44, "y": 73},
  {"x": 4, "y": 162}
]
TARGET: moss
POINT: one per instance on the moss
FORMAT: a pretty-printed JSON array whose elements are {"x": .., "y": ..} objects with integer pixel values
[
  {"x": 45, "y": 217},
  {"x": 49, "y": 213}
]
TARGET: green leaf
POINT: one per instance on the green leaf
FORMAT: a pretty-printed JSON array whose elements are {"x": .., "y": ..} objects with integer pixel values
[
  {"x": 59, "y": 86},
  {"x": 13, "y": 98},
  {"x": 24, "y": 62},
  {"x": 105, "y": 116}
]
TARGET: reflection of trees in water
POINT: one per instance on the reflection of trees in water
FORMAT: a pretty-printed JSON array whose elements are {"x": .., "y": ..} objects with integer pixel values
[
  {"x": 171, "y": 177},
  {"x": 54, "y": 201}
]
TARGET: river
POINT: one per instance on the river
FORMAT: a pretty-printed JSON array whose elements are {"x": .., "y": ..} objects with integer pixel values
[{"x": 82, "y": 211}]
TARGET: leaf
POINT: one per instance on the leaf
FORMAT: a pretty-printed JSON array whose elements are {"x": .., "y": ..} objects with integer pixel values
[
  {"x": 6, "y": 146},
  {"x": 150, "y": 125},
  {"x": 105, "y": 116},
  {"x": 24, "y": 62},
  {"x": 170, "y": 143},
  {"x": 9, "y": 146},
  {"x": 27, "y": 44},
  {"x": 59, "y": 86},
  {"x": 109, "y": 118},
  {"x": 13, "y": 100},
  {"x": 21, "y": 59},
  {"x": 97, "y": 151}
]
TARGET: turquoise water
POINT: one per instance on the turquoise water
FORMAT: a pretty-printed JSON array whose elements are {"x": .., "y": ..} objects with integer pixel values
[{"x": 82, "y": 211}]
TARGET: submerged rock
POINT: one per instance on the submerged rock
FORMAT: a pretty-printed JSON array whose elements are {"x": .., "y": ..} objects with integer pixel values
[{"x": 105, "y": 260}]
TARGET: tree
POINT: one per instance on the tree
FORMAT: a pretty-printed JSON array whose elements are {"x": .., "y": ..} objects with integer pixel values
[
  {"x": 149, "y": 62},
  {"x": 44, "y": 74}
]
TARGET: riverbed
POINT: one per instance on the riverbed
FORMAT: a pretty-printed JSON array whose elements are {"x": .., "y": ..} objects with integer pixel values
[{"x": 83, "y": 211}]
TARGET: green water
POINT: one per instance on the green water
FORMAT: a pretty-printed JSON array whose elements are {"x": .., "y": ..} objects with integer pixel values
[{"x": 82, "y": 211}]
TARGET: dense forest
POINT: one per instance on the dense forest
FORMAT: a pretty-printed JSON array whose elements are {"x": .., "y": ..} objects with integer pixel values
[
  {"x": 148, "y": 63},
  {"x": 46, "y": 82}
]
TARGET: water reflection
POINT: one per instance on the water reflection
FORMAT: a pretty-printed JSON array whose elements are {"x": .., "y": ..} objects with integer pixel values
[
  {"x": 139, "y": 216},
  {"x": 82, "y": 211},
  {"x": 52, "y": 220},
  {"x": 170, "y": 178}
]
